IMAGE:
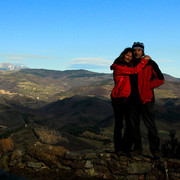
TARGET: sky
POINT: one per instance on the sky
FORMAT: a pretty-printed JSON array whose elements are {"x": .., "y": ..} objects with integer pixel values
[{"x": 88, "y": 34}]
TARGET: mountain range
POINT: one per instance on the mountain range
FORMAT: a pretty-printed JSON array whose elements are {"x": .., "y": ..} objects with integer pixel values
[{"x": 75, "y": 103}]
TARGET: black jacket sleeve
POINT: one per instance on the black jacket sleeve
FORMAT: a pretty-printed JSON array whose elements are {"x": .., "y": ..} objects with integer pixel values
[{"x": 156, "y": 69}]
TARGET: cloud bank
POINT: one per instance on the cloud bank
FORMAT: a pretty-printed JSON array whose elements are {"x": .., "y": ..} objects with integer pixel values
[
  {"x": 11, "y": 56},
  {"x": 89, "y": 63},
  {"x": 161, "y": 60}
]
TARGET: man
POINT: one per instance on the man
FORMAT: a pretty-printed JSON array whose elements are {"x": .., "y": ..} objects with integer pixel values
[{"x": 142, "y": 101}]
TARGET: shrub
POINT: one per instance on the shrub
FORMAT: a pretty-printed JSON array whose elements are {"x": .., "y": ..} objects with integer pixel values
[{"x": 171, "y": 148}]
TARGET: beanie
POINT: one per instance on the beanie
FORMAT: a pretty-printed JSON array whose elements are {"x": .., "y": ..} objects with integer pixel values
[{"x": 138, "y": 45}]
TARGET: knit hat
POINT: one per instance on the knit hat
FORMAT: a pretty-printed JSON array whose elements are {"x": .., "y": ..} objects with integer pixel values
[{"x": 138, "y": 45}]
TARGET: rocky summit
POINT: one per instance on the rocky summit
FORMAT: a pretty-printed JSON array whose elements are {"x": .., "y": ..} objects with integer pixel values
[{"x": 43, "y": 161}]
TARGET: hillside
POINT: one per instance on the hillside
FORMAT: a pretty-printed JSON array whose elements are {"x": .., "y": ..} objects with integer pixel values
[
  {"x": 171, "y": 78},
  {"x": 77, "y": 109},
  {"x": 76, "y": 102},
  {"x": 70, "y": 109},
  {"x": 49, "y": 85}
]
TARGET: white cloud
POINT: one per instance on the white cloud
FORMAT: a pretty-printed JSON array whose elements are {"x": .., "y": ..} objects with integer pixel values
[
  {"x": 15, "y": 58},
  {"x": 91, "y": 61},
  {"x": 161, "y": 60},
  {"x": 11, "y": 56}
]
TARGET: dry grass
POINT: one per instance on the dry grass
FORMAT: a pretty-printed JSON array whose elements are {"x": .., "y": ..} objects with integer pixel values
[
  {"x": 98, "y": 144},
  {"x": 49, "y": 136},
  {"x": 92, "y": 135},
  {"x": 164, "y": 93}
]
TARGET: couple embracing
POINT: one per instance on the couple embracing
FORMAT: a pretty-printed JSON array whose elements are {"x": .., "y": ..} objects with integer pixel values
[{"x": 135, "y": 76}]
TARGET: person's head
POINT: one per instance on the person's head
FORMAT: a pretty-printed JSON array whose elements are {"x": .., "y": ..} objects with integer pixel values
[
  {"x": 126, "y": 56},
  {"x": 138, "y": 50}
]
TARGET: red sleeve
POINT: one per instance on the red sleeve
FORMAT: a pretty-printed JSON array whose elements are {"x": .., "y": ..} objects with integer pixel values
[{"x": 120, "y": 70}]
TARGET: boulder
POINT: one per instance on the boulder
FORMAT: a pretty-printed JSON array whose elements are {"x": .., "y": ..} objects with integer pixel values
[
  {"x": 52, "y": 150},
  {"x": 6, "y": 145}
]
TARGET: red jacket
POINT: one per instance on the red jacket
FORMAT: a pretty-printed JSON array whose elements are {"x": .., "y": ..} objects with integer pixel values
[
  {"x": 149, "y": 78},
  {"x": 121, "y": 74}
]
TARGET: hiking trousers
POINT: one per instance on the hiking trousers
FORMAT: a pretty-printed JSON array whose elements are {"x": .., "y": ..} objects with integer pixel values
[
  {"x": 122, "y": 142},
  {"x": 147, "y": 112}
]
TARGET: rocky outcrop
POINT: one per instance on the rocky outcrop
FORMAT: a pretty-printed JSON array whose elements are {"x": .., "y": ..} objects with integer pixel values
[
  {"x": 43, "y": 161},
  {"x": 6, "y": 145}
]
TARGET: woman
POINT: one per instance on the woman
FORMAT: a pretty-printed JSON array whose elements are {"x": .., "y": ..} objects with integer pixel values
[{"x": 120, "y": 93}]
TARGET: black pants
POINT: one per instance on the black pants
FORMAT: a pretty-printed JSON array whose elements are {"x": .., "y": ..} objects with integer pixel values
[
  {"x": 147, "y": 112},
  {"x": 121, "y": 112}
]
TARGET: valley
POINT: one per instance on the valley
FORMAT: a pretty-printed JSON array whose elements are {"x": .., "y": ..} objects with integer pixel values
[{"x": 76, "y": 104}]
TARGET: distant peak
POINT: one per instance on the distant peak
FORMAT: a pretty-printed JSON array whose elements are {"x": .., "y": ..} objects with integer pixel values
[{"x": 9, "y": 66}]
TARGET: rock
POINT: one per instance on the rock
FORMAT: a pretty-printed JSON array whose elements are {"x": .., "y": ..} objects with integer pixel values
[
  {"x": 174, "y": 175},
  {"x": 108, "y": 176},
  {"x": 34, "y": 165},
  {"x": 132, "y": 177},
  {"x": 78, "y": 164},
  {"x": 98, "y": 161},
  {"x": 47, "y": 154},
  {"x": 137, "y": 157},
  {"x": 155, "y": 175},
  {"x": 90, "y": 156},
  {"x": 118, "y": 177},
  {"x": 91, "y": 172},
  {"x": 106, "y": 155},
  {"x": 174, "y": 164},
  {"x": 116, "y": 168},
  {"x": 101, "y": 169},
  {"x": 13, "y": 162},
  {"x": 73, "y": 156},
  {"x": 48, "y": 162},
  {"x": 65, "y": 168},
  {"x": 4, "y": 162},
  {"x": 66, "y": 162},
  {"x": 52, "y": 150},
  {"x": 140, "y": 158},
  {"x": 147, "y": 159},
  {"x": 1, "y": 154},
  {"x": 123, "y": 163},
  {"x": 138, "y": 167},
  {"x": 88, "y": 164},
  {"x": 42, "y": 156},
  {"x": 59, "y": 166},
  {"x": 6, "y": 145},
  {"x": 123, "y": 158},
  {"x": 18, "y": 153},
  {"x": 141, "y": 177},
  {"x": 20, "y": 165},
  {"x": 79, "y": 172}
]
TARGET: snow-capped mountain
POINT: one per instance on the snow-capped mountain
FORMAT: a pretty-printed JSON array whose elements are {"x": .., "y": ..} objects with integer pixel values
[{"x": 9, "y": 66}]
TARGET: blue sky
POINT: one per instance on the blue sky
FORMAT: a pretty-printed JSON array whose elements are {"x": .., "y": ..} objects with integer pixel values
[{"x": 88, "y": 34}]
